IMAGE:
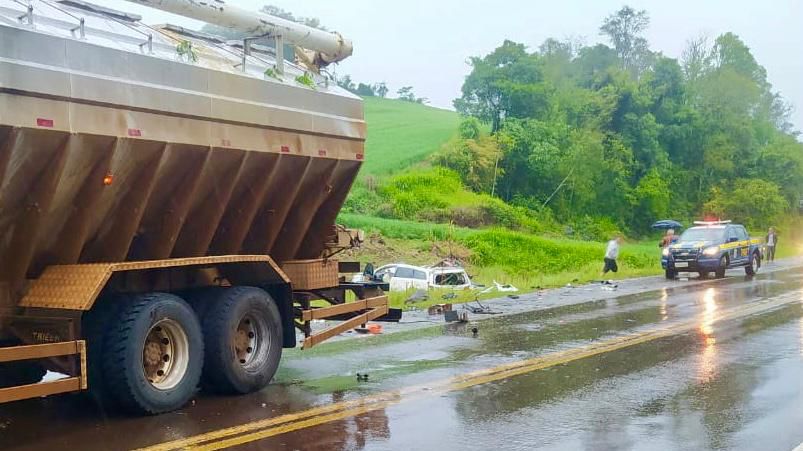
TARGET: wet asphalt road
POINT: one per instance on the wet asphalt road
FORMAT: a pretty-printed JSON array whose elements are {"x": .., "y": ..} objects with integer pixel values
[{"x": 704, "y": 365}]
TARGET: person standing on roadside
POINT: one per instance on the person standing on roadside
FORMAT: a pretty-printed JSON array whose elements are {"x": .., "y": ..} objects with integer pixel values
[
  {"x": 611, "y": 254},
  {"x": 771, "y": 241},
  {"x": 668, "y": 239}
]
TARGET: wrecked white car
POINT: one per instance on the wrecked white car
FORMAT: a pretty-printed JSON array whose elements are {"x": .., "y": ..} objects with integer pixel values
[{"x": 403, "y": 277}]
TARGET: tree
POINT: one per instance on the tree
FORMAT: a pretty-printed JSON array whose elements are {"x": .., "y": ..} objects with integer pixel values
[
  {"x": 469, "y": 128},
  {"x": 696, "y": 57},
  {"x": 624, "y": 29},
  {"x": 756, "y": 203},
  {"x": 593, "y": 64},
  {"x": 472, "y": 155},
  {"x": 346, "y": 83},
  {"x": 365, "y": 90},
  {"x": 650, "y": 199},
  {"x": 508, "y": 82},
  {"x": 381, "y": 89},
  {"x": 731, "y": 52},
  {"x": 624, "y": 136},
  {"x": 406, "y": 93}
]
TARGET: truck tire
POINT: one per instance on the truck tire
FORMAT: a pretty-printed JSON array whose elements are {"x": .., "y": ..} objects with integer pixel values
[
  {"x": 243, "y": 340},
  {"x": 670, "y": 274},
  {"x": 94, "y": 325},
  {"x": 152, "y": 354},
  {"x": 724, "y": 261},
  {"x": 755, "y": 264}
]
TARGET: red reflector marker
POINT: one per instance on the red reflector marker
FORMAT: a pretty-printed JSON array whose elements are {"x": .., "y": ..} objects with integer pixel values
[
  {"x": 285, "y": 149},
  {"x": 225, "y": 142},
  {"x": 41, "y": 122},
  {"x": 322, "y": 152},
  {"x": 134, "y": 132},
  {"x": 360, "y": 156}
]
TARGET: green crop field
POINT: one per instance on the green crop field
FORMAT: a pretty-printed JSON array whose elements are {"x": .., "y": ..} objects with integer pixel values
[{"x": 403, "y": 133}]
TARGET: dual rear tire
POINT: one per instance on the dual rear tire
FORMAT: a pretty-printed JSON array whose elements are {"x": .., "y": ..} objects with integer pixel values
[
  {"x": 242, "y": 338},
  {"x": 148, "y": 353}
]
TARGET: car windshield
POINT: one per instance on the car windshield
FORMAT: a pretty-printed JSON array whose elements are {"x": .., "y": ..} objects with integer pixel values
[{"x": 703, "y": 234}]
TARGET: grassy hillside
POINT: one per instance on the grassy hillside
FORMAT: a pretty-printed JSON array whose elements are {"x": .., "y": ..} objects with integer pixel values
[{"x": 403, "y": 133}]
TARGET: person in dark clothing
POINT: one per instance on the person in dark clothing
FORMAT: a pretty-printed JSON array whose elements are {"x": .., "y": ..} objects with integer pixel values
[{"x": 771, "y": 241}]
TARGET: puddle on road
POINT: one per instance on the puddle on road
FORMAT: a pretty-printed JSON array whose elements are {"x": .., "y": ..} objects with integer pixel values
[{"x": 498, "y": 341}]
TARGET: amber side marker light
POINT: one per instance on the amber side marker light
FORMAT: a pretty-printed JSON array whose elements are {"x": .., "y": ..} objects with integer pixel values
[{"x": 108, "y": 180}]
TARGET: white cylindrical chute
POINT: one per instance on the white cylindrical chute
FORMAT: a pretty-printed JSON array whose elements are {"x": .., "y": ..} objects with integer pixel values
[{"x": 332, "y": 47}]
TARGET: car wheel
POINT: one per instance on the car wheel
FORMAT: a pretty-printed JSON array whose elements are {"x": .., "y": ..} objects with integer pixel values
[
  {"x": 723, "y": 266},
  {"x": 755, "y": 264},
  {"x": 670, "y": 274}
]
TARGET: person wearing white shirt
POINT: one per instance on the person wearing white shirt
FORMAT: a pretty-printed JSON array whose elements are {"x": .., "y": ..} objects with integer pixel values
[{"x": 611, "y": 254}]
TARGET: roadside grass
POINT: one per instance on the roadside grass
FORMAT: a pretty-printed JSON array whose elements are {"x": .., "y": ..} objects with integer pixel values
[
  {"x": 788, "y": 249},
  {"x": 401, "y": 134},
  {"x": 528, "y": 262}
]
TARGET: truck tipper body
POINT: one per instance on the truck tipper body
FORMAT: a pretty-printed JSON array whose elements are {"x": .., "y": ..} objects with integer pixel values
[{"x": 167, "y": 202}]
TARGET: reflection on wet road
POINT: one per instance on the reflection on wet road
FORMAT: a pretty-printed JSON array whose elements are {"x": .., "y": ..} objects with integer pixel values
[{"x": 711, "y": 366}]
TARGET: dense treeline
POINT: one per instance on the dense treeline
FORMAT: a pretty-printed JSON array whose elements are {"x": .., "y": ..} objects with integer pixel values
[{"x": 627, "y": 134}]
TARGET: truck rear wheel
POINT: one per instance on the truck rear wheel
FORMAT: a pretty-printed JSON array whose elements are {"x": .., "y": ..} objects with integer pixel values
[
  {"x": 243, "y": 337},
  {"x": 755, "y": 264},
  {"x": 152, "y": 354}
]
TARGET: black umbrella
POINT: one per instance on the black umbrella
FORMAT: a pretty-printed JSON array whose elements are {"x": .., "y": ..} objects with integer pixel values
[{"x": 667, "y": 224}]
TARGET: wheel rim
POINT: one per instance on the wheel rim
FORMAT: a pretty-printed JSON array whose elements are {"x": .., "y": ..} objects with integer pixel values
[
  {"x": 165, "y": 357},
  {"x": 754, "y": 263},
  {"x": 252, "y": 341}
]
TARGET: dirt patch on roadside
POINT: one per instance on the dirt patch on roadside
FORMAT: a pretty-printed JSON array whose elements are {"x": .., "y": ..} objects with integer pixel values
[{"x": 380, "y": 251}]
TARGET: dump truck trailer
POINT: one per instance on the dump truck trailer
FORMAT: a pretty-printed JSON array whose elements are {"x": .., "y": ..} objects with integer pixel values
[{"x": 168, "y": 201}]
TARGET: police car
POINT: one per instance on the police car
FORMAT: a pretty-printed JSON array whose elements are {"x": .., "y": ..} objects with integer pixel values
[{"x": 712, "y": 246}]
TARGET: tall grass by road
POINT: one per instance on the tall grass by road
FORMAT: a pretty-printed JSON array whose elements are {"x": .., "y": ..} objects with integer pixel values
[{"x": 527, "y": 261}]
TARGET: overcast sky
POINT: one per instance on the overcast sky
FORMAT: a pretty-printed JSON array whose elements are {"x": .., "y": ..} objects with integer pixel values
[{"x": 425, "y": 44}]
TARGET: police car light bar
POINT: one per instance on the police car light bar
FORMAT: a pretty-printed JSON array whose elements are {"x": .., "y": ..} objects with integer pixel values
[{"x": 711, "y": 223}]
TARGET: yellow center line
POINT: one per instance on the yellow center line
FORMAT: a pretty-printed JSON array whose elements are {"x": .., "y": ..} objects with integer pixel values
[{"x": 262, "y": 429}]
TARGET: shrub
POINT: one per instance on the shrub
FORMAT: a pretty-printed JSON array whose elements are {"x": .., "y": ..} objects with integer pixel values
[
  {"x": 598, "y": 228},
  {"x": 363, "y": 200},
  {"x": 753, "y": 202}
]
